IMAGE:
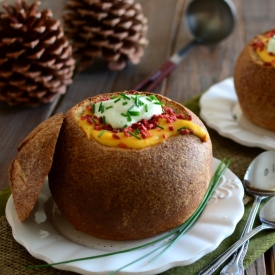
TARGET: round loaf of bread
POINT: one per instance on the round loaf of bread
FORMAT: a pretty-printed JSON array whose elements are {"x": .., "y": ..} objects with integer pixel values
[
  {"x": 254, "y": 83},
  {"x": 125, "y": 194}
]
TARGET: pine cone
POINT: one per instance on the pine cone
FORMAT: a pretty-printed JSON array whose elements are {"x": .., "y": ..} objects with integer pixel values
[
  {"x": 112, "y": 29},
  {"x": 36, "y": 61}
]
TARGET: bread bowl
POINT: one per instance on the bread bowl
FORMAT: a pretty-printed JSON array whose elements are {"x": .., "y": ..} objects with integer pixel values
[
  {"x": 122, "y": 193},
  {"x": 254, "y": 76},
  {"x": 139, "y": 183}
]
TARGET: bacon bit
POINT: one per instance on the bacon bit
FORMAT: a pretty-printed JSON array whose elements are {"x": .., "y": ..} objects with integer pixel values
[
  {"x": 258, "y": 45},
  {"x": 98, "y": 127},
  {"x": 89, "y": 108},
  {"x": 89, "y": 120},
  {"x": 122, "y": 145},
  {"x": 185, "y": 132},
  {"x": 116, "y": 131},
  {"x": 271, "y": 54},
  {"x": 144, "y": 134},
  {"x": 115, "y": 136},
  {"x": 164, "y": 136},
  {"x": 189, "y": 117},
  {"x": 273, "y": 61},
  {"x": 171, "y": 128},
  {"x": 270, "y": 34},
  {"x": 267, "y": 64},
  {"x": 180, "y": 116},
  {"x": 108, "y": 127},
  {"x": 204, "y": 138}
]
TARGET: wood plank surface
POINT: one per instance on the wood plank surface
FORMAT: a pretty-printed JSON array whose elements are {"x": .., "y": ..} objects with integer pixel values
[{"x": 203, "y": 67}]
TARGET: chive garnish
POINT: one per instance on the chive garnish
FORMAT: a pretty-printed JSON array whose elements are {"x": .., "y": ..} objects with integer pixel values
[
  {"x": 181, "y": 128},
  {"x": 94, "y": 121},
  {"x": 109, "y": 107},
  {"x": 137, "y": 100},
  {"x": 153, "y": 97},
  {"x": 159, "y": 103},
  {"x": 146, "y": 107},
  {"x": 174, "y": 234},
  {"x": 93, "y": 106},
  {"x": 100, "y": 106},
  {"x": 159, "y": 126},
  {"x": 104, "y": 119},
  {"x": 137, "y": 131},
  {"x": 130, "y": 108},
  {"x": 113, "y": 97},
  {"x": 125, "y": 115},
  {"x": 129, "y": 117},
  {"x": 117, "y": 100},
  {"x": 102, "y": 133},
  {"x": 148, "y": 98},
  {"x": 125, "y": 96},
  {"x": 132, "y": 134},
  {"x": 124, "y": 103},
  {"x": 133, "y": 113}
]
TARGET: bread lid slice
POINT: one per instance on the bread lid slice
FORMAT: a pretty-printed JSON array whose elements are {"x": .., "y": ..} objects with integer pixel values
[{"x": 29, "y": 169}]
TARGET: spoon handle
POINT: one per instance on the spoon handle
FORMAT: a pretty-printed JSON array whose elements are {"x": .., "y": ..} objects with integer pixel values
[
  {"x": 235, "y": 266},
  {"x": 212, "y": 268},
  {"x": 166, "y": 68}
]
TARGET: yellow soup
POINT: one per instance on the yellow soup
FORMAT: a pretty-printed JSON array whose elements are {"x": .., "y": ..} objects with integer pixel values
[{"x": 158, "y": 135}]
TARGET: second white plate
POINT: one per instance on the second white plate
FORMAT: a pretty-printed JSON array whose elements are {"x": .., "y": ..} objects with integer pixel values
[{"x": 221, "y": 111}]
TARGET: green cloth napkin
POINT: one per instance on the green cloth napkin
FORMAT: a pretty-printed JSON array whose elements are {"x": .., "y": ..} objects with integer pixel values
[{"x": 258, "y": 245}]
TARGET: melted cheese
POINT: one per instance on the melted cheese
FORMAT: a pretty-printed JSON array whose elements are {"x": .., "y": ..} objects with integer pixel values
[{"x": 158, "y": 135}]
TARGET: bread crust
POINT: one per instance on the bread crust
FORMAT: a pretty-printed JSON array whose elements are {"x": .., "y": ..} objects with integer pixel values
[
  {"x": 29, "y": 169},
  {"x": 254, "y": 85},
  {"x": 126, "y": 194}
]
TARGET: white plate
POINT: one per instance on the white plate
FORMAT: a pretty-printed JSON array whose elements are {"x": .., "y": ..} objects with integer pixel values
[
  {"x": 38, "y": 234},
  {"x": 221, "y": 111}
]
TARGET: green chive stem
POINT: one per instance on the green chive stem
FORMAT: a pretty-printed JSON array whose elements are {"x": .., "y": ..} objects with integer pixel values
[
  {"x": 102, "y": 133},
  {"x": 117, "y": 100},
  {"x": 160, "y": 127},
  {"x": 109, "y": 107},
  {"x": 132, "y": 134}
]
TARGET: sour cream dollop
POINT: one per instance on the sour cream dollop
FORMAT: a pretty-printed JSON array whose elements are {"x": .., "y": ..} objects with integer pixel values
[
  {"x": 127, "y": 109},
  {"x": 271, "y": 45}
]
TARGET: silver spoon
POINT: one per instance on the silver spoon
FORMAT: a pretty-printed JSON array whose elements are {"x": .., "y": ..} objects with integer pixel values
[
  {"x": 209, "y": 21},
  {"x": 259, "y": 180}
]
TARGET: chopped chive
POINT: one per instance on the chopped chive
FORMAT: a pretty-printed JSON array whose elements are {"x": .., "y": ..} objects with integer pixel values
[
  {"x": 113, "y": 97},
  {"x": 93, "y": 107},
  {"x": 159, "y": 103},
  {"x": 129, "y": 117},
  {"x": 153, "y": 97},
  {"x": 125, "y": 96},
  {"x": 137, "y": 131},
  {"x": 124, "y": 103},
  {"x": 104, "y": 119},
  {"x": 125, "y": 126},
  {"x": 159, "y": 126},
  {"x": 137, "y": 100},
  {"x": 133, "y": 113},
  {"x": 102, "y": 133},
  {"x": 109, "y": 107},
  {"x": 148, "y": 98},
  {"x": 100, "y": 106},
  {"x": 94, "y": 121},
  {"x": 125, "y": 115},
  {"x": 132, "y": 134},
  {"x": 181, "y": 128},
  {"x": 131, "y": 108},
  {"x": 117, "y": 100},
  {"x": 146, "y": 107}
]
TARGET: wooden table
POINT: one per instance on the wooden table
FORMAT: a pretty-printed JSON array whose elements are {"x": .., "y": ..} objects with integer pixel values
[{"x": 201, "y": 68}]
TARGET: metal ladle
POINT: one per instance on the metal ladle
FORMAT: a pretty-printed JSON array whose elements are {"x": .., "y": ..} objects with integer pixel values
[
  {"x": 209, "y": 21},
  {"x": 259, "y": 181}
]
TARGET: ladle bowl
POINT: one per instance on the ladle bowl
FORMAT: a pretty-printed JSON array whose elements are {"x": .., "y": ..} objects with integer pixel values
[{"x": 209, "y": 21}]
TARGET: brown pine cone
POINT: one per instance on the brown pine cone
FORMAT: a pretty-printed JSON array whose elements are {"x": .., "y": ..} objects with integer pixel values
[
  {"x": 112, "y": 29},
  {"x": 36, "y": 61}
]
